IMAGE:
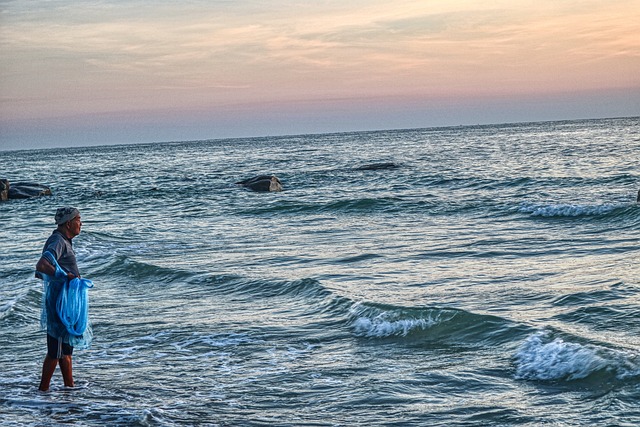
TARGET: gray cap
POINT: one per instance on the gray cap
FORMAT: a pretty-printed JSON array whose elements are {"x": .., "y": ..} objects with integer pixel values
[{"x": 66, "y": 214}]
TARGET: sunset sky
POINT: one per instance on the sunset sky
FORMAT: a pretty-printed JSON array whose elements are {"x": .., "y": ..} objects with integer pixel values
[{"x": 103, "y": 72}]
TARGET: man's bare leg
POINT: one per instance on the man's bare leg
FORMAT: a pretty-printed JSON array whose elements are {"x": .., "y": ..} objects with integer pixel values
[
  {"x": 67, "y": 371},
  {"x": 48, "y": 368}
]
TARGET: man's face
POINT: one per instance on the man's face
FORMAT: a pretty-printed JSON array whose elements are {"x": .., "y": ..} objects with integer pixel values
[{"x": 75, "y": 225}]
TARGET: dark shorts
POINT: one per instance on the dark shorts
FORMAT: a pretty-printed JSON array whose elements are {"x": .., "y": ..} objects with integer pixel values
[{"x": 57, "y": 349}]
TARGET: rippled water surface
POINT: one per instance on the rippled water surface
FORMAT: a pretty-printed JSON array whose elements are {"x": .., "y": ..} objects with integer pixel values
[{"x": 483, "y": 276}]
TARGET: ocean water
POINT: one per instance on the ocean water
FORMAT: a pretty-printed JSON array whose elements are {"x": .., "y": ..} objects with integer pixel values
[{"x": 488, "y": 276}]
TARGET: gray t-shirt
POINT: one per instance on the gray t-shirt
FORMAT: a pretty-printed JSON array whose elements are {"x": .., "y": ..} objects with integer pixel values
[{"x": 62, "y": 250}]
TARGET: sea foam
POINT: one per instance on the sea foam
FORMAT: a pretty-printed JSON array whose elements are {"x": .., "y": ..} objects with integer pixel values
[
  {"x": 545, "y": 359},
  {"x": 373, "y": 323},
  {"x": 567, "y": 210},
  {"x": 380, "y": 328}
]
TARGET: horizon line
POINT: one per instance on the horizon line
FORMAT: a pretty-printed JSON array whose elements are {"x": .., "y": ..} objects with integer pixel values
[{"x": 142, "y": 143}]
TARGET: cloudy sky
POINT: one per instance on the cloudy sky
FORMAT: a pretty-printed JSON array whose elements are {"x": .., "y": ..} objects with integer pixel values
[{"x": 102, "y": 72}]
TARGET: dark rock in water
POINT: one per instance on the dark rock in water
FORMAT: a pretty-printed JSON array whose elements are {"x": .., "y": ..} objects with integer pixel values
[
  {"x": 638, "y": 199},
  {"x": 4, "y": 190},
  {"x": 262, "y": 183},
  {"x": 378, "y": 166},
  {"x": 26, "y": 190}
]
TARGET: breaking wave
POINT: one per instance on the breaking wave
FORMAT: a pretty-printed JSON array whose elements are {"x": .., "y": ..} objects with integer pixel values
[
  {"x": 571, "y": 210},
  {"x": 544, "y": 358}
]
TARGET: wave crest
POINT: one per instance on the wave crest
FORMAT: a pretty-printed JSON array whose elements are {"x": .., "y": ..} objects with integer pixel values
[
  {"x": 543, "y": 358},
  {"x": 380, "y": 327},
  {"x": 446, "y": 326},
  {"x": 374, "y": 323},
  {"x": 569, "y": 210}
]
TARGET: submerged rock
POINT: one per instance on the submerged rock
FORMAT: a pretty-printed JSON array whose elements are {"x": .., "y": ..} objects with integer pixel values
[
  {"x": 262, "y": 183},
  {"x": 378, "y": 166},
  {"x": 26, "y": 190},
  {"x": 4, "y": 190}
]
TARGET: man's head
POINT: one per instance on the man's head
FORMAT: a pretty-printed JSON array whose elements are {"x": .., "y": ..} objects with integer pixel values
[{"x": 68, "y": 220}]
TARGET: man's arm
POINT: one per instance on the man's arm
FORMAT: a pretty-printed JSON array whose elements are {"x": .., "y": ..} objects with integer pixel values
[{"x": 44, "y": 266}]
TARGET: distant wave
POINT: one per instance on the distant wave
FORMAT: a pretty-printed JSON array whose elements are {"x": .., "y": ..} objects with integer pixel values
[
  {"x": 356, "y": 205},
  {"x": 126, "y": 267},
  {"x": 185, "y": 282},
  {"x": 572, "y": 210},
  {"x": 431, "y": 323},
  {"x": 429, "y": 204},
  {"x": 254, "y": 288},
  {"x": 544, "y": 358}
]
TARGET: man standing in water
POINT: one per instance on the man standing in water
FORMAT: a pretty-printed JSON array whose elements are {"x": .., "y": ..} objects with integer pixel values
[{"x": 60, "y": 246}]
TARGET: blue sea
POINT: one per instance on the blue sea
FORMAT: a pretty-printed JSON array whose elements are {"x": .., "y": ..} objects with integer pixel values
[{"x": 478, "y": 276}]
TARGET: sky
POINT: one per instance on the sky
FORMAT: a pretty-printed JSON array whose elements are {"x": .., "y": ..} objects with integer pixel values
[{"x": 115, "y": 72}]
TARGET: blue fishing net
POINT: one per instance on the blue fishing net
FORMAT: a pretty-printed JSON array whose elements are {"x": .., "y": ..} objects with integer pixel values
[{"x": 71, "y": 305}]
